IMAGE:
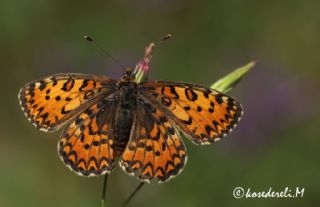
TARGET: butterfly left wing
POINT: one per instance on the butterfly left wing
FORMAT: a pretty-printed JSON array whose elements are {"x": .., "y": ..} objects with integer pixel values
[
  {"x": 50, "y": 102},
  {"x": 155, "y": 149},
  {"x": 203, "y": 114}
]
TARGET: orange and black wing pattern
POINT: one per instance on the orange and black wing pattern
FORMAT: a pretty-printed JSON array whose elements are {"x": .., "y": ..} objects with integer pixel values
[
  {"x": 86, "y": 145},
  {"x": 50, "y": 102},
  {"x": 202, "y": 114},
  {"x": 155, "y": 149}
]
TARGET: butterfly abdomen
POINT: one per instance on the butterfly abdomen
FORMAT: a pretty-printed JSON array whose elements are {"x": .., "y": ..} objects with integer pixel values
[{"x": 124, "y": 114}]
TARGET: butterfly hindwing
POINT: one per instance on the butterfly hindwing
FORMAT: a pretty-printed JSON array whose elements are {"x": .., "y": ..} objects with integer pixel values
[
  {"x": 155, "y": 149},
  {"x": 50, "y": 102},
  {"x": 86, "y": 145},
  {"x": 203, "y": 114}
]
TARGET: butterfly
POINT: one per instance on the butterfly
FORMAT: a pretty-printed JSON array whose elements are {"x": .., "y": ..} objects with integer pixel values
[{"x": 139, "y": 123}]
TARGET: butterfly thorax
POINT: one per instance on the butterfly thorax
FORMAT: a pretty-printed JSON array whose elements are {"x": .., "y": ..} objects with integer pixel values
[{"x": 124, "y": 113}]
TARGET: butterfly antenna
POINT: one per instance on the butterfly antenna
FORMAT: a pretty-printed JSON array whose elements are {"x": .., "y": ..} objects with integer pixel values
[
  {"x": 166, "y": 37},
  {"x": 90, "y": 39},
  {"x": 133, "y": 194},
  {"x": 104, "y": 190}
]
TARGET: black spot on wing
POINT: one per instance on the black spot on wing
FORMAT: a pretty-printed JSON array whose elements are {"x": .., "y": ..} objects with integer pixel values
[
  {"x": 173, "y": 92},
  {"x": 190, "y": 94},
  {"x": 68, "y": 85},
  {"x": 166, "y": 101},
  {"x": 42, "y": 85},
  {"x": 219, "y": 98}
]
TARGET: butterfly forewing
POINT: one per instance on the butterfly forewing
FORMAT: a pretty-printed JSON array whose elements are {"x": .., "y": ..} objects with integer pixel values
[
  {"x": 51, "y": 101},
  {"x": 203, "y": 114}
]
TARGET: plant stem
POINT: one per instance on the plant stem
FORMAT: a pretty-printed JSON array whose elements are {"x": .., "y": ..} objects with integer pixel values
[
  {"x": 133, "y": 194},
  {"x": 104, "y": 190}
]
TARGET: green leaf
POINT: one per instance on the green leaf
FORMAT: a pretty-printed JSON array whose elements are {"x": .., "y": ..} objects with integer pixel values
[{"x": 228, "y": 82}]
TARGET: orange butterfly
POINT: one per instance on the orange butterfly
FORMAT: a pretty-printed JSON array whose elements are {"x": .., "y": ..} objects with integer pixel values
[{"x": 141, "y": 123}]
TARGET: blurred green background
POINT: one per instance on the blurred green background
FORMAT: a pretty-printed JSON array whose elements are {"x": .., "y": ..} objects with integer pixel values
[{"x": 276, "y": 144}]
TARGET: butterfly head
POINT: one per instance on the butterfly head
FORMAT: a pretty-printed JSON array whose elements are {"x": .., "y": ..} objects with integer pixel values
[{"x": 129, "y": 75}]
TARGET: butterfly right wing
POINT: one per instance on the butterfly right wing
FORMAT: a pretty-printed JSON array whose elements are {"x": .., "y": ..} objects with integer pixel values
[
  {"x": 49, "y": 102},
  {"x": 86, "y": 145},
  {"x": 204, "y": 115},
  {"x": 155, "y": 149}
]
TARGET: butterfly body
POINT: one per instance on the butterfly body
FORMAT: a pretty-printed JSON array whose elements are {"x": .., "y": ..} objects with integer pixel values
[
  {"x": 141, "y": 123},
  {"x": 126, "y": 102}
]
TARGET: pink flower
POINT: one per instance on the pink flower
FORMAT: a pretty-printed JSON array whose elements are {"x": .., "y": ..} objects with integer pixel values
[{"x": 141, "y": 70}]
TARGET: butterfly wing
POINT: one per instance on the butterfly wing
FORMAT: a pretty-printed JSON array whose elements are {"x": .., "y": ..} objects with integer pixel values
[
  {"x": 203, "y": 114},
  {"x": 155, "y": 148},
  {"x": 86, "y": 145},
  {"x": 50, "y": 102}
]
